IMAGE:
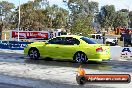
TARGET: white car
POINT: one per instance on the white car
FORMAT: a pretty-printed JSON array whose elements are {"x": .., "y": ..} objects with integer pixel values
[
  {"x": 108, "y": 40},
  {"x": 111, "y": 41}
]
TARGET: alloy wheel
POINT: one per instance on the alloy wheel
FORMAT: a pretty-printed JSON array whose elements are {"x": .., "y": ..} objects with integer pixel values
[
  {"x": 80, "y": 57},
  {"x": 34, "y": 54}
]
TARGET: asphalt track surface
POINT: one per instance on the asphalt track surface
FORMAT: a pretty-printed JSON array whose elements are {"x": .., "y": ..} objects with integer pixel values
[
  {"x": 2, "y": 85},
  {"x": 18, "y": 71},
  {"x": 113, "y": 65}
]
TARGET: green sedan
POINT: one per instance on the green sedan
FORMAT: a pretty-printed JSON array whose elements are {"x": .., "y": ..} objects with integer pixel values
[{"x": 71, "y": 47}]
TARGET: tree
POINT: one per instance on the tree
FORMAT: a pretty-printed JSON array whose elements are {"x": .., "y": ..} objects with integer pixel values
[
  {"x": 130, "y": 16},
  {"x": 81, "y": 15},
  {"x": 32, "y": 15},
  {"x": 124, "y": 10},
  {"x": 120, "y": 19},
  {"x": 82, "y": 25},
  {"x": 37, "y": 17},
  {"x": 6, "y": 11},
  {"x": 93, "y": 7},
  {"x": 106, "y": 16},
  {"x": 57, "y": 17}
]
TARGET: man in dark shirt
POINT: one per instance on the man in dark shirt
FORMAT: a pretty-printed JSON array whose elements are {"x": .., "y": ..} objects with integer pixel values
[{"x": 103, "y": 38}]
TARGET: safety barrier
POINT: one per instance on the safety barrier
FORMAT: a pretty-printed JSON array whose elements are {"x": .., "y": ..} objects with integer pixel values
[
  {"x": 121, "y": 52},
  {"x": 13, "y": 45}
]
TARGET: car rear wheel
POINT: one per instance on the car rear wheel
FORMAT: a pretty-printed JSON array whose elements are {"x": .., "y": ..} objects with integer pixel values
[
  {"x": 34, "y": 53},
  {"x": 80, "y": 57}
]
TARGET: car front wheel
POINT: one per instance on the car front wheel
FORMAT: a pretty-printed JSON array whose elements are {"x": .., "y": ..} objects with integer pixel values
[{"x": 34, "y": 53}]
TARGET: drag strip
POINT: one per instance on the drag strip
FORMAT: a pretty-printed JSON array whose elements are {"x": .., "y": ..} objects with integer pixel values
[
  {"x": 20, "y": 70},
  {"x": 3, "y": 85},
  {"x": 113, "y": 65}
]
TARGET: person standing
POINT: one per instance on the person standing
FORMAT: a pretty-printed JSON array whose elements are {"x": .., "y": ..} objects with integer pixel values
[{"x": 103, "y": 38}]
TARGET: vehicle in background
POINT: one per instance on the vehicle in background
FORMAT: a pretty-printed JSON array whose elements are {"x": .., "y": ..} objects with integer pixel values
[
  {"x": 108, "y": 40},
  {"x": 72, "y": 47},
  {"x": 121, "y": 30},
  {"x": 96, "y": 36},
  {"x": 113, "y": 41}
]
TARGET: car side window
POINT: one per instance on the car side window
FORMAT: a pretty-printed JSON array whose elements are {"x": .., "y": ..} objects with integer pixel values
[
  {"x": 68, "y": 41},
  {"x": 98, "y": 37},
  {"x": 87, "y": 40},
  {"x": 76, "y": 41},
  {"x": 93, "y": 36},
  {"x": 57, "y": 40},
  {"x": 71, "y": 41}
]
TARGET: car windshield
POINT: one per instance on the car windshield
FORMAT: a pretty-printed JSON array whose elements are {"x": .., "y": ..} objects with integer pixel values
[{"x": 87, "y": 40}]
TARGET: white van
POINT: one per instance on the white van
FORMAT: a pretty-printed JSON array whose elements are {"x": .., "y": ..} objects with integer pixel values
[
  {"x": 108, "y": 40},
  {"x": 96, "y": 36}
]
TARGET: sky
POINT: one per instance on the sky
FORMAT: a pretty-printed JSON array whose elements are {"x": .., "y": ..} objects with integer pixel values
[{"x": 119, "y": 4}]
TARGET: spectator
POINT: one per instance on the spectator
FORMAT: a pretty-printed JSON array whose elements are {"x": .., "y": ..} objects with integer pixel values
[{"x": 103, "y": 38}]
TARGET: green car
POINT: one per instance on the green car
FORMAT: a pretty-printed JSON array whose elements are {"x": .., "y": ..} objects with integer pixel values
[{"x": 71, "y": 47}]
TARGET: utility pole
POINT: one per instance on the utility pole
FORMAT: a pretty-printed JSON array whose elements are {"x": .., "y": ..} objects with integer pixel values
[
  {"x": 19, "y": 20},
  {"x": 1, "y": 21}
]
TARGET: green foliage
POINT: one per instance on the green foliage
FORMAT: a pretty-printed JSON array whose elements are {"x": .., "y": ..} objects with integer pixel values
[
  {"x": 6, "y": 10},
  {"x": 82, "y": 25},
  {"x": 79, "y": 18},
  {"x": 93, "y": 7},
  {"x": 6, "y": 7},
  {"x": 106, "y": 16},
  {"x": 37, "y": 17},
  {"x": 120, "y": 19},
  {"x": 82, "y": 14},
  {"x": 130, "y": 16},
  {"x": 124, "y": 10}
]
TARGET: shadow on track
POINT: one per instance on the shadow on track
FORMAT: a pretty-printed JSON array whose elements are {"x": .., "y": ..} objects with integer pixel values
[
  {"x": 68, "y": 63},
  {"x": 112, "y": 65}
]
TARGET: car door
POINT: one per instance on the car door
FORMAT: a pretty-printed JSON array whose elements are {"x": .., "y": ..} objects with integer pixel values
[
  {"x": 68, "y": 49},
  {"x": 52, "y": 48}
]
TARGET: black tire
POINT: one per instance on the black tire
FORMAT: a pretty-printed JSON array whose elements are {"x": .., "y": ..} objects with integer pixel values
[
  {"x": 80, "y": 57},
  {"x": 81, "y": 80},
  {"x": 107, "y": 43},
  {"x": 34, "y": 54},
  {"x": 48, "y": 59}
]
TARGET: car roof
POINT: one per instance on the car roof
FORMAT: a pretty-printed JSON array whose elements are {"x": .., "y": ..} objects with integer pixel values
[{"x": 74, "y": 36}]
